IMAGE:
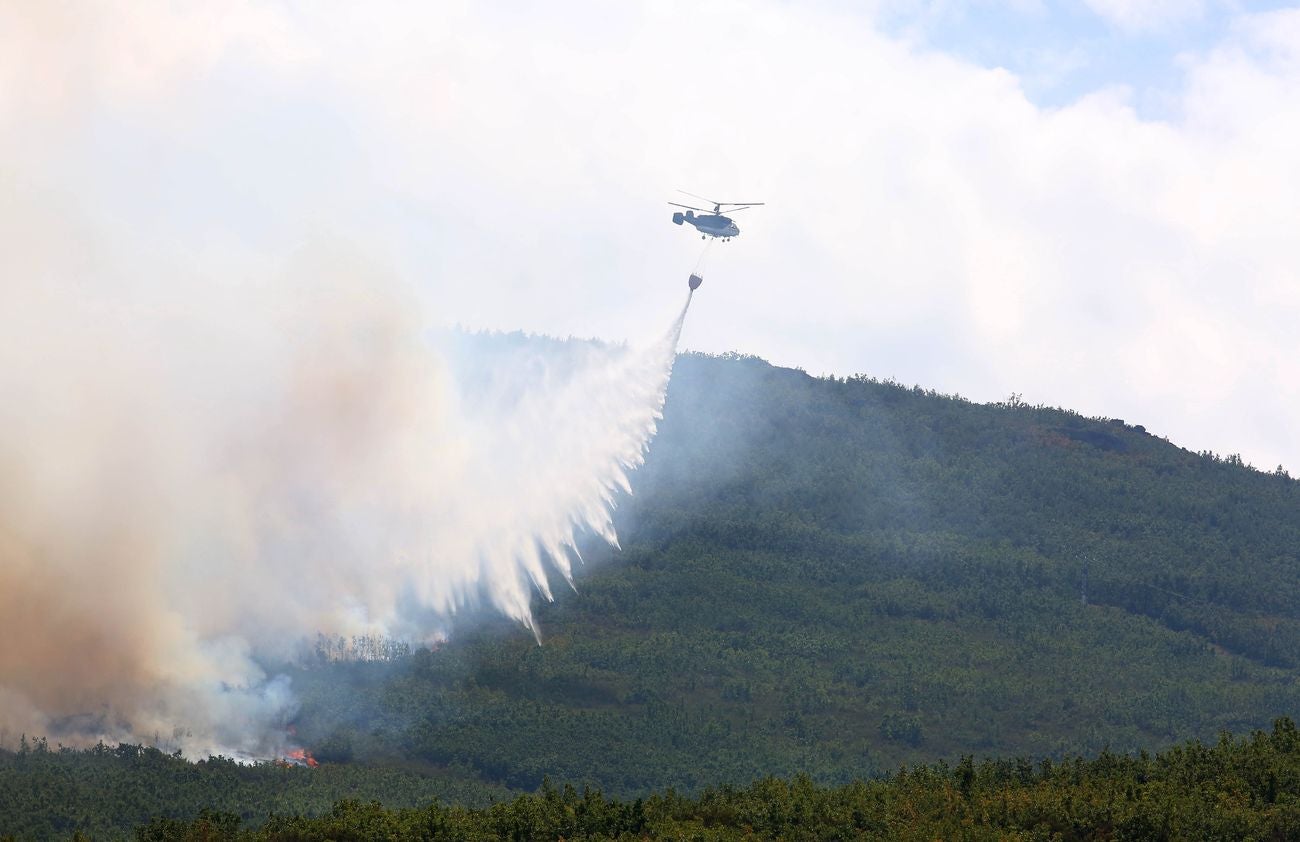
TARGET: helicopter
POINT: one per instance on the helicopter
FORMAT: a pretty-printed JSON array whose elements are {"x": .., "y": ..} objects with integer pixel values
[{"x": 712, "y": 224}]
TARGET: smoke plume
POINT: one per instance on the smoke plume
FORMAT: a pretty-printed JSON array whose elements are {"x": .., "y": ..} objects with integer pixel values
[{"x": 199, "y": 470}]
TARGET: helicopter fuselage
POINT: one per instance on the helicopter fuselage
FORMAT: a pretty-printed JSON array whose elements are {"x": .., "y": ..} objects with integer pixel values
[{"x": 713, "y": 225}]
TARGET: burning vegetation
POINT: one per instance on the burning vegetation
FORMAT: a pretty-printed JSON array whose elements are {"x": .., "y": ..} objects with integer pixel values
[{"x": 299, "y": 757}]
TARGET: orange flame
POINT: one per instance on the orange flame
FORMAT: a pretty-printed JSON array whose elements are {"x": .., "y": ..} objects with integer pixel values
[{"x": 302, "y": 757}]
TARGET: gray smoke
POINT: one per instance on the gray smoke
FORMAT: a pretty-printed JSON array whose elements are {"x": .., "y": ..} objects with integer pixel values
[{"x": 198, "y": 471}]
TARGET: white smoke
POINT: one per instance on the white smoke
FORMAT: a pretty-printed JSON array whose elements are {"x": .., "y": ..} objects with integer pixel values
[{"x": 197, "y": 471}]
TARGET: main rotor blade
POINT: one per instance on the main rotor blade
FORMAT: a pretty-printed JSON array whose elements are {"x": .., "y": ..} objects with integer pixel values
[
  {"x": 689, "y": 207},
  {"x": 701, "y": 198},
  {"x": 720, "y": 204}
]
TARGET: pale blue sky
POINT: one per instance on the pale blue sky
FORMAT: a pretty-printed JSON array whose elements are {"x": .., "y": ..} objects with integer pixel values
[{"x": 1064, "y": 50}]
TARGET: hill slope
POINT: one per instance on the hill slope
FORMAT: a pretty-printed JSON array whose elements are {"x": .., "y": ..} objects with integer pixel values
[{"x": 834, "y": 577}]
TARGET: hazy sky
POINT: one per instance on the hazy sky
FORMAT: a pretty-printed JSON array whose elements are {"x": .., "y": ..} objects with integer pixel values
[{"x": 1091, "y": 203}]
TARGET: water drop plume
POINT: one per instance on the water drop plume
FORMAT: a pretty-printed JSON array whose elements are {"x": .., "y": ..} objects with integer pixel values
[{"x": 555, "y": 434}]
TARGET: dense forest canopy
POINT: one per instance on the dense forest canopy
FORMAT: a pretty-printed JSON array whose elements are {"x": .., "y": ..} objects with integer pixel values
[
  {"x": 830, "y": 578},
  {"x": 1235, "y": 788}
]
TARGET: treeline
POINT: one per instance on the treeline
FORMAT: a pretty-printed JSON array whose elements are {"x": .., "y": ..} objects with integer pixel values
[
  {"x": 1234, "y": 789},
  {"x": 106, "y": 791}
]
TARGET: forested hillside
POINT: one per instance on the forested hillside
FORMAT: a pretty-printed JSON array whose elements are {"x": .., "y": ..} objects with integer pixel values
[{"x": 835, "y": 577}]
